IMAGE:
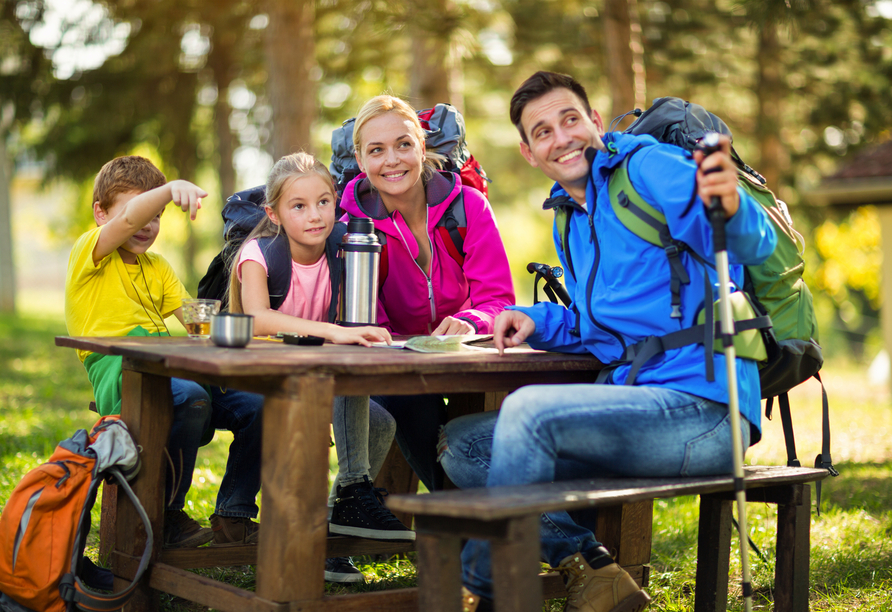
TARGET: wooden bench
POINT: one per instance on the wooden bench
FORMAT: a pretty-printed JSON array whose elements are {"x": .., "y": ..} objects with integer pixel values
[{"x": 509, "y": 518}]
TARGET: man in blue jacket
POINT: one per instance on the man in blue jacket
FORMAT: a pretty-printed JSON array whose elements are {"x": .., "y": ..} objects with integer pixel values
[{"x": 673, "y": 420}]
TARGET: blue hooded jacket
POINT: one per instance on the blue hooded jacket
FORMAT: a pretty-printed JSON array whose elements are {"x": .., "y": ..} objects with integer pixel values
[{"x": 620, "y": 283}]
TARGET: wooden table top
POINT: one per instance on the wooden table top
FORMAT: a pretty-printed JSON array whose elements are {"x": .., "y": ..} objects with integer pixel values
[{"x": 271, "y": 358}]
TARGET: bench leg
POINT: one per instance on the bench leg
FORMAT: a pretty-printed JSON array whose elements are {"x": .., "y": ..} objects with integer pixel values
[
  {"x": 439, "y": 572},
  {"x": 515, "y": 559},
  {"x": 791, "y": 566},
  {"x": 713, "y": 555}
]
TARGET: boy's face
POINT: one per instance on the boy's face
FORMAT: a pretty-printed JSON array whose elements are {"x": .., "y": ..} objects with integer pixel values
[
  {"x": 142, "y": 240},
  {"x": 559, "y": 131}
]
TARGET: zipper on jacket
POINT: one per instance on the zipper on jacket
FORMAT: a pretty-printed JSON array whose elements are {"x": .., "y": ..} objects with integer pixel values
[
  {"x": 430, "y": 284},
  {"x": 590, "y": 286}
]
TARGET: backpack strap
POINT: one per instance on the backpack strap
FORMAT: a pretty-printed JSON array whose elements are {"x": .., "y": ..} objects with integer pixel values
[
  {"x": 335, "y": 267},
  {"x": 71, "y": 587},
  {"x": 276, "y": 251},
  {"x": 453, "y": 226},
  {"x": 649, "y": 224},
  {"x": 636, "y": 355},
  {"x": 823, "y": 460},
  {"x": 562, "y": 222}
]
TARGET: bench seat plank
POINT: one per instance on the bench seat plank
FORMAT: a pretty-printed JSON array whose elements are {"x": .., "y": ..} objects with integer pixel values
[{"x": 492, "y": 504}]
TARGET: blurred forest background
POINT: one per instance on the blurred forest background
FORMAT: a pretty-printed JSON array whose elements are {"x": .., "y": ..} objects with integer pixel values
[{"x": 214, "y": 91}]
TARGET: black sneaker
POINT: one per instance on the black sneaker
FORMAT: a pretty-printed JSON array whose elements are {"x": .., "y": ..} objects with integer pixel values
[
  {"x": 182, "y": 531},
  {"x": 359, "y": 511},
  {"x": 341, "y": 569}
]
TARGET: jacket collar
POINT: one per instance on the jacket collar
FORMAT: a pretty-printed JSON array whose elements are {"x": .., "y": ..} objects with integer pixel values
[{"x": 367, "y": 199}]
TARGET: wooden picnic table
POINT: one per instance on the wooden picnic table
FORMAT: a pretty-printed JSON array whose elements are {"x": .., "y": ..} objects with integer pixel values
[{"x": 299, "y": 384}]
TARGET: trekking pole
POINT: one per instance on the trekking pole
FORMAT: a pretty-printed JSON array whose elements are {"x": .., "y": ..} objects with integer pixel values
[{"x": 710, "y": 144}]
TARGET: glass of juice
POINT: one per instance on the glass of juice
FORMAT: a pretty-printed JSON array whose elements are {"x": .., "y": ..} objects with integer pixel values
[{"x": 197, "y": 316}]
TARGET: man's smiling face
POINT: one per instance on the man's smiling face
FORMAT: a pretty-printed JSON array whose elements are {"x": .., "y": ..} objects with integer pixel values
[{"x": 558, "y": 131}]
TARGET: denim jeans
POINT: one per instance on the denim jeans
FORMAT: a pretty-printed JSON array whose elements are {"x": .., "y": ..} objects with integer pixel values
[
  {"x": 241, "y": 413},
  {"x": 418, "y": 421},
  {"x": 559, "y": 432},
  {"x": 191, "y": 416},
  {"x": 363, "y": 434}
]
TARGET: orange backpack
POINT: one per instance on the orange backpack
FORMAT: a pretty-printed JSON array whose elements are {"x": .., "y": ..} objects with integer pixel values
[{"x": 44, "y": 526}]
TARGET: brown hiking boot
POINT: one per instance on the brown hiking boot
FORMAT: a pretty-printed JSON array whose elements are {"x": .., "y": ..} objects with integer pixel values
[
  {"x": 182, "y": 531},
  {"x": 234, "y": 530},
  {"x": 608, "y": 589}
]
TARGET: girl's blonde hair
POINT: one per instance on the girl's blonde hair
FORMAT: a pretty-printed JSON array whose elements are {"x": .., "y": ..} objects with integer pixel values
[
  {"x": 286, "y": 170},
  {"x": 385, "y": 103}
]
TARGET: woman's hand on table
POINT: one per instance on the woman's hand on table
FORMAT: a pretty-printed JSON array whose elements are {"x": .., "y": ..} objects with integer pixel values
[{"x": 450, "y": 326}]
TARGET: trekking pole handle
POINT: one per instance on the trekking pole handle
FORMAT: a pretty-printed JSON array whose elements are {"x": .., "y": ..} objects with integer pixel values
[{"x": 709, "y": 144}]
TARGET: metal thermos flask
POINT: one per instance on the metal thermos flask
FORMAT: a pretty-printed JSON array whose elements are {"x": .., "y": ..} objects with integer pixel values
[{"x": 361, "y": 253}]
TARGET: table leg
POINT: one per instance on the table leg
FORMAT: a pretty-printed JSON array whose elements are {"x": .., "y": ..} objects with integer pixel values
[
  {"x": 147, "y": 409},
  {"x": 294, "y": 477}
]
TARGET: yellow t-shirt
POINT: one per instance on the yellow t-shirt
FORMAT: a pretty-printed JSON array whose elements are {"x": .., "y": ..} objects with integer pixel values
[{"x": 113, "y": 298}]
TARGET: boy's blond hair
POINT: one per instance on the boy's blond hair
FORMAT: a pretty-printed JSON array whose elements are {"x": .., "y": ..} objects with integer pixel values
[
  {"x": 286, "y": 170},
  {"x": 127, "y": 174}
]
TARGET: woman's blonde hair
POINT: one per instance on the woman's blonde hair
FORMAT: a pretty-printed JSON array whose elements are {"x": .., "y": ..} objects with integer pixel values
[
  {"x": 286, "y": 170},
  {"x": 385, "y": 103}
]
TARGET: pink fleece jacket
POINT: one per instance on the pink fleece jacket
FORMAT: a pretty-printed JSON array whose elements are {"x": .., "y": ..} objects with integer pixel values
[{"x": 410, "y": 302}]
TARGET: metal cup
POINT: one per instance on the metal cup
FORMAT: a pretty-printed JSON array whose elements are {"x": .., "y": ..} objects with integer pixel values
[{"x": 232, "y": 330}]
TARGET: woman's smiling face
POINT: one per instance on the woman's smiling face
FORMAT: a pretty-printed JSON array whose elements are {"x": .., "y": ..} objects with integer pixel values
[{"x": 391, "y": 154}]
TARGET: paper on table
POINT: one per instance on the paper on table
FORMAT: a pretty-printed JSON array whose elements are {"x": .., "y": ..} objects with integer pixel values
[
  {"x": 394, "y": 344},
  {"x": 444, "y": 344},
  {"x": 437, "y": 344}
]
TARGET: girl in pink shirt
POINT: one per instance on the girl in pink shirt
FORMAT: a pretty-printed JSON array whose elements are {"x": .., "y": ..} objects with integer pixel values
[{"x": 300, "y": 220}]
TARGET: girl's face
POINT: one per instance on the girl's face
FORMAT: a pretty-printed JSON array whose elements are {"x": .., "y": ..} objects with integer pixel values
[
  {"x": 306, "y": 213},
  {"x": 391, "y": 155}
]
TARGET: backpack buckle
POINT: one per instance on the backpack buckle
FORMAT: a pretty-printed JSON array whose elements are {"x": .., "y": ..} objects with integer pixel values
[
  {"x": 676, "y": 311},
  {"x": 671, "y": 250},
  {"x": 66, "y": 587}
]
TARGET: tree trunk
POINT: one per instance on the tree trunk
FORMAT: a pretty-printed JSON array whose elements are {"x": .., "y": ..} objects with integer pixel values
[
  {"x": 290, "y": 58},
  {"x": 7, "y": 267},
  {"x": 432, "y": 75},
  {"x": 220, "y": 60},
  {"x": 770, "y": 92},
  {"x": 625, "y": 58}
]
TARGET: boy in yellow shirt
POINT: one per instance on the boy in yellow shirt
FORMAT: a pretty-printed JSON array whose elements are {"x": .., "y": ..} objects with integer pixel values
[{"x": 116, "y": 287}]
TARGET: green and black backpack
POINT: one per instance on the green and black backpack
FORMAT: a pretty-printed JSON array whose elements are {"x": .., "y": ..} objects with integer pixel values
[{"x": 775, "y": 319}]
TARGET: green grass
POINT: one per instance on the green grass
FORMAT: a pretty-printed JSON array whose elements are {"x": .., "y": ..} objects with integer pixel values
[{"x": 44, "y": 394}]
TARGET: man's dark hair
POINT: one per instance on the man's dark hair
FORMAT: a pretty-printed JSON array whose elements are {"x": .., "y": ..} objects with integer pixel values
[{"x": 537, "y": 86}]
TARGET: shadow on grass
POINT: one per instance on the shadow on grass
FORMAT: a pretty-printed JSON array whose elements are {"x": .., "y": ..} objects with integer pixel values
[{"x": 859, "y": 486}]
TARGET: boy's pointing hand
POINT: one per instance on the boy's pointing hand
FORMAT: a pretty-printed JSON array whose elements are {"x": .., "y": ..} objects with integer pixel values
[{"x": 187, "y": 196}]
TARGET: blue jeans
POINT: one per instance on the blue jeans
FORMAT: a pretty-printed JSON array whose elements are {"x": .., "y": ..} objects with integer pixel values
[
  {"x": 558, "y": 432},
  {"x": 191, "y": 416},
  {"x": 241, "y": 413}
]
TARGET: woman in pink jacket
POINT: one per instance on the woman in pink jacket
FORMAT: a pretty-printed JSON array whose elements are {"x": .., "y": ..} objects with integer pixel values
[{"x": 429, "y": 287}]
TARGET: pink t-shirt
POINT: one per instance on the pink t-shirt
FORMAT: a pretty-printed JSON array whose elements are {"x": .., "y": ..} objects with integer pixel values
[{"x": 310, "y": 292}]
